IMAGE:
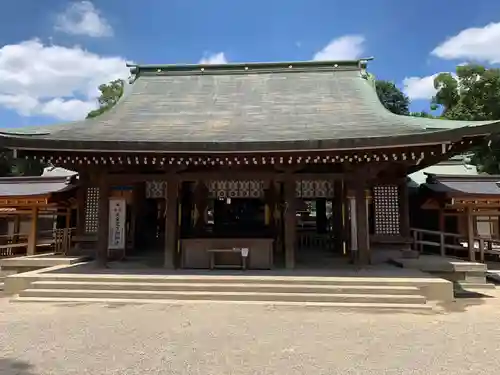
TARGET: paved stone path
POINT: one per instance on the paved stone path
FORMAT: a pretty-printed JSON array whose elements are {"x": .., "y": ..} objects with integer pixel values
[{"x": 42, "y": 339}]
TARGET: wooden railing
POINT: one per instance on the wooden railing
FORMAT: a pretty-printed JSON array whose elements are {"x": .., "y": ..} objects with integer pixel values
[
  {"x": 313, "y": 240},
  {"x": 487, "y": 246},
  {"x": 425, "y": 237},
  {"x": 437, "y": 239},
  {"x": 58, "y": 241}
]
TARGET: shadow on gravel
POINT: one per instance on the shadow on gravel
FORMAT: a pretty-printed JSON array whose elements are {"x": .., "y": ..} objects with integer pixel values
[{"x": 10, "y": 366}]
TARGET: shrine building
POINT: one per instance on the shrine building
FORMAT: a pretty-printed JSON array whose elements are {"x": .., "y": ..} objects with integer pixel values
[{"x": 270, "y": 164}]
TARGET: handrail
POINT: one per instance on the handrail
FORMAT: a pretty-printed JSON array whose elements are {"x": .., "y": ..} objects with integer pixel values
[
  {"x": 58, "y": 240},
  {"x": 482, "y": 244},
  {"x": 485, "y": 246},
  {"x": 436, "y": 232},
  {"x": 419, "y": 243}
]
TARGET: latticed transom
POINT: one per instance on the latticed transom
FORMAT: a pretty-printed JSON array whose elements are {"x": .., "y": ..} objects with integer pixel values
[
  {"x": 386, "y": 201},
  {"x": 313, "y": 189},
  {"x": 92, "y": 210},
  {"x": 155, "y": 189},
  {"x": 236, "y": 189}
]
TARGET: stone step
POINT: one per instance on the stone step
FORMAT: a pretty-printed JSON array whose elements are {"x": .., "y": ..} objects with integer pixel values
[
  {"x": 471, "y": 285},
  {"x": 232, "y": 296},
  {"x": 228, "y": 287},
  {"x": 246, "y": 279},
  {"x": 334, "y": 305}
]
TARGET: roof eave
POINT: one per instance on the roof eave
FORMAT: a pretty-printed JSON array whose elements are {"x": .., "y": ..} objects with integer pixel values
[{"x": 417, "y": 139}]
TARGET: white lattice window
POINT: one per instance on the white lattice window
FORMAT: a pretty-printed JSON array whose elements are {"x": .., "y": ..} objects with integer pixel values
[
  {"x": 386, "y": 201},
  {"x": 92, "y": 210}
]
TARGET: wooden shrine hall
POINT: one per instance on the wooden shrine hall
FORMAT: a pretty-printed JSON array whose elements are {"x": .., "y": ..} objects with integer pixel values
[
  {"x": 465, "y": 208},
  {"x": 36, "y": 214},
  {"x": 256, "y": 165}
]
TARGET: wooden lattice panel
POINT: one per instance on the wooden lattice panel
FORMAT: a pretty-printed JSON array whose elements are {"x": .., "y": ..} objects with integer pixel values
[
  {"x": 236, "y": 189},
  {"x": 92, "y": 210},
  {"x": 386, "y": 201},
  {"x": 313, "y": 189},
  {"x": 155, "y": 189}
]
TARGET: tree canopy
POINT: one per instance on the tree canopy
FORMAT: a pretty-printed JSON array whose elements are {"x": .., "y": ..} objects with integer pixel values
[
  {"x": 110, "y": 94},
  {"x": 472, "y": 93},
  {"x": 392, "y": 98}
]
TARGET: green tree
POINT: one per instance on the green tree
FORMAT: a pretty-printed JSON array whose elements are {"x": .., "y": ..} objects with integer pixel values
[
  {"x": 392, "y": 98},
  {"x": 473, "y": 93},
  {"x": 110, "y": 94}
]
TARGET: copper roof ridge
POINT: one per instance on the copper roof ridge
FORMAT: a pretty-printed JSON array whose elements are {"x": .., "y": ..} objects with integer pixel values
[{"x": 242, "y": 67}]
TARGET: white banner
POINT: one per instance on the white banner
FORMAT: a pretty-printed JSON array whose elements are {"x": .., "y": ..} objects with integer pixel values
[{"x": 117, "y": 218}]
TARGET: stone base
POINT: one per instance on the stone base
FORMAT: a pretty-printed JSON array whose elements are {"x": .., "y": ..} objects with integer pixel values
[{"x": 409, "y": 254}]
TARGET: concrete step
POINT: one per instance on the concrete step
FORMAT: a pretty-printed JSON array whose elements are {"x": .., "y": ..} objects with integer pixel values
[
  {"x": 232, "y": 296},
  {"x": 334, "y": 305},
  {"x": 228, "y": 287}
]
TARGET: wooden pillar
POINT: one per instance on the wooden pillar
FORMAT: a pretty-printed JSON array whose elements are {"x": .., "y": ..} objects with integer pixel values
[
  {"x": 103, "y": 220},
  {"x": 338, "y": 224},
  {"x": 404, "y": 211},
  {"x": 290, "y": 221},
  {"x": 364, "y": 256},
  {"x": 80, "y": 201},
  {"x": 470, "y": 234},
  {"x": 171, "y": 223},
  {"x": 353, "y": 229},
  {"x": 16, "y": 228},
  {"x": 33, "y": 234}
]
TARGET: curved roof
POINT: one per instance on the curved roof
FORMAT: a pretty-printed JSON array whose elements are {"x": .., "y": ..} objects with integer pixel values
[
  {"x": 487, "y": 185},
  {"x": 32, "y": 186},
  {"x": 246, "y": 107}
]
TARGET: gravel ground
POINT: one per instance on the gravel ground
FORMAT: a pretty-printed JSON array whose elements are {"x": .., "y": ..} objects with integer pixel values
[{"x": 40, "y": 339}]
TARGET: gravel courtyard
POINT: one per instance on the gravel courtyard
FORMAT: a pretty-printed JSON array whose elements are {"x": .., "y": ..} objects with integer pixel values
[{"x": 41, "y": 339}]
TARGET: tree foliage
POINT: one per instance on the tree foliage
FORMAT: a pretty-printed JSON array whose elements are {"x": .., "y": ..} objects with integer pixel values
[
  {"x": 392, "y": 98},
  {"x": 110, "y": 94},
  {"x": 473, "y": 93}
]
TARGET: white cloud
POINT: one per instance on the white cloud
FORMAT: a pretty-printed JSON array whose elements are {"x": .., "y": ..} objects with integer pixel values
[
  {"x": 475, "y": 43},
  {"x": 51, "y": 80},
  {"x": 216, "y": 58},
  {"x": 347, "y": 47},
  {"x": 419, "y": 87},
  {"x": 83, "y": 18}
]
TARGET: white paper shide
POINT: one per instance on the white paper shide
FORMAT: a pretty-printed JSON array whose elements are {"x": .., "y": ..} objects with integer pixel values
[{"x": 117, "y": 217}]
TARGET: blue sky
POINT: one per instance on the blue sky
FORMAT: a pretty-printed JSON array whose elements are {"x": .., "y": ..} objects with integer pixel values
[{"x": 54, "y": 53}]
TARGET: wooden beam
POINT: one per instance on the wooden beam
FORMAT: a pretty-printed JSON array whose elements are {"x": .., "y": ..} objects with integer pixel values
[{"x": 230, "y": 174}]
